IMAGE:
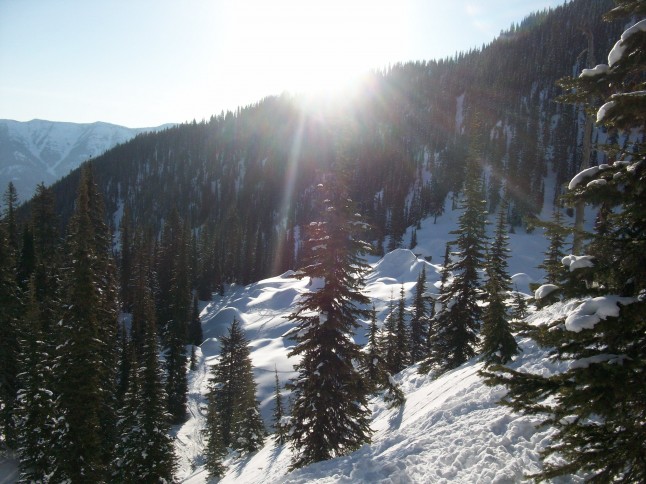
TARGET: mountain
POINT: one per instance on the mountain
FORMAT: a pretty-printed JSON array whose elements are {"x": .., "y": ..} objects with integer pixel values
[{"x": 44, "y": 151}]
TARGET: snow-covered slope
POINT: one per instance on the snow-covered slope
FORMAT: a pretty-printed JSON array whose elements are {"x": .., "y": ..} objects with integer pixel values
[
  {"x": 451, "y": 428},
  {"x": 44, "y": 151}
]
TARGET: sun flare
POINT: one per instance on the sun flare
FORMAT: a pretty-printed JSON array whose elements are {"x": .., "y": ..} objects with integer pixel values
[{"x": 305, "y": 47}]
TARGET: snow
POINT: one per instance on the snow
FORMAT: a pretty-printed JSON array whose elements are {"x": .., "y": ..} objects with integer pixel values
[
  {"x": 593, "y": 310},
  {"x": 545, "y": 290},
  {"x": 603, "y": 110},
  {"x": 617, "y": 52},
  {"x": 574, "y": 262},
  {"x": 596, "y": 71},
  {"x": 582, "y": 175}
]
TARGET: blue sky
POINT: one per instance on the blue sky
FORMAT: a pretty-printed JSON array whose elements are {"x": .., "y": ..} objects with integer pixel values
[{"x": 148, "y": 62}]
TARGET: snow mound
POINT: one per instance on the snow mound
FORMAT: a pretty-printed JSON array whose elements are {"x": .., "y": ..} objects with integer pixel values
[
  {"x": 593, "y": 310},
  {"x": 545, "y": 290},
  {"x": 574, "y": 262}
]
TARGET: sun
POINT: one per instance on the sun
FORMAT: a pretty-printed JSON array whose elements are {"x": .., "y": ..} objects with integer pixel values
[{"x": 313, "y": 46}]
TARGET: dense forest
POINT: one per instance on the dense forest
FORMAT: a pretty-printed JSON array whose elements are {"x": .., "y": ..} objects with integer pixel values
[{"x": 101, "y": 274}]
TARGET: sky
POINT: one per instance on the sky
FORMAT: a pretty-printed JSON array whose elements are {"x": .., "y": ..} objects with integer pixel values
[{"x": 143, "y": 63}]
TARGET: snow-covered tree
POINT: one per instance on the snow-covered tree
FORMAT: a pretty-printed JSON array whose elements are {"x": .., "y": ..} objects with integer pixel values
[
  {"x": 597, "y": 404},
  {"x": 329, "y": 414}
]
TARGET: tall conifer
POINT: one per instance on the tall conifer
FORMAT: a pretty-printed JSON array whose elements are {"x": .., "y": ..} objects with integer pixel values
[{"x": 330, "y": 415}]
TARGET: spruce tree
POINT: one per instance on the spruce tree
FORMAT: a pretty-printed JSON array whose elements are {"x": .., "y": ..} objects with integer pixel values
[
  {"x": 419, "y": 324},
  {"x": 498, "y": 343},
  {"x": 86, "y": 361},
  {"x": 280, "y": 429},
  {"x": 35, "y": 409},
  {"x": 401, "y": 355},
  {"x": 458, "y": 321},
  {"x": 233, "y": 394},
  {"x": 35, "y": 413},
  {"x": 554, "y": 269},
  {"x": 374, "y": 370},
  {"x": 215, "y": 450},
  {"x": 329, "y": 414},
  {"x": 174, "y": 311},
  {"x": 596, "y": 403},
  {"x": 10, "y": 313}
]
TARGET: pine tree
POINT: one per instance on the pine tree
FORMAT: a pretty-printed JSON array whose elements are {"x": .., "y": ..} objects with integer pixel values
[
  {"x": 401, "y": 354},
  {"x": 215, "y": 450},
  {"x": 554, "y": 269},
  {"x": 329, "y": 413},
  {"x": 374, "y": 369},
  {"x": 174, "y": 311},
  {"x": 498, "y": 343},
  {"x": 10, "y": 312},
  {"x": 596, "y": 404},
  {"x": 35, "y": 413},
  {"x": 280, "y": 429},
  {"x": 419, "y": 324},
  {"x": 233, "y": 392},
  {"x": 146, "y": 451},
  {"x": 35, "y": 409},
  {"x": 458, "y": 322},
  {"x": 86, "y": 359}
]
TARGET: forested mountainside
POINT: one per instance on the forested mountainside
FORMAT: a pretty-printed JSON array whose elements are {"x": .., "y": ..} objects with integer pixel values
[{"x": 242, "y": 180}]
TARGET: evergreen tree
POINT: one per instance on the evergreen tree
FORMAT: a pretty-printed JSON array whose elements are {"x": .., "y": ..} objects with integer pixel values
[
  {"x": 401, "y": 355},
  {"x": 233, "y": 393},
  {"x": 35, "y": 409},
  {"x": 10, "y": 311},
  {"x": 498, "y": 343},
  {"x": 554, "y": 269},
  {"x": 146, "y": 451},
  {"x": 86, "y": 363},
  {"x": 10, "y": 200},
  {"x": 458, "y": 321},
  {"x": 374, "y": 370},
  {"x": 419, "y": 324},
  {"x": 174, "y": 311},
  {"x": 596, "y": 403},
  {"x": 330, "y": 415},
  {"x": 280, "y": 429},
  {"x": 35, "y": 413},
  {"x": 215, "y": 450}
]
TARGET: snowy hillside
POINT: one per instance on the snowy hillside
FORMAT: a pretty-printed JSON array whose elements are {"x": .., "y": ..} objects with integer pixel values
[
  {"x": 450, "y": 428},
  {"x": 44, "y": 151}
]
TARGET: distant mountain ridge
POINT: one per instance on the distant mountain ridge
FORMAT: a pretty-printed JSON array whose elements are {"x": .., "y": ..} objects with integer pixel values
[{"x": 44, "y": 151}]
